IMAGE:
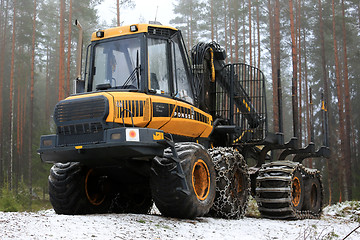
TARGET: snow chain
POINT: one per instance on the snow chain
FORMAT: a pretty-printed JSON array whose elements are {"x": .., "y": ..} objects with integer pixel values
[{"x": 227, "y": 162}]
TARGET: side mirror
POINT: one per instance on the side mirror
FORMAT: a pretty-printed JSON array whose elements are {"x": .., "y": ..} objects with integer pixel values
[{"x": 79, "y": 86}]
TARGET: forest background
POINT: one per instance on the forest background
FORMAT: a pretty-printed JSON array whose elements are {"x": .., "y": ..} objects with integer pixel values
[{"x": 313, "y": 45}]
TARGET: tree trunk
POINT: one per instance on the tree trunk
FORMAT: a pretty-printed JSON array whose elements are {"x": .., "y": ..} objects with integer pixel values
[
  {"x": 47, "y": 87},
  {"x": 191, "y": 26},
  {"x": 217, "y": 30},
  {"x": 230, "y": 32},
  {"x": 20, "y": 69},
  {"x": 347, "y": 111},
  {"x": 11, "y": 101},
  {"x": 2, "y": 10},
  {"x": 276, "y": 97},
  {"x": 1, "y": 88},
  {"x": 225, "y": 27},
  {"x": 31, "y": 106},
  {"x": 298, "y": 21},
  {"x": 250, "y": 43},
  {"x": 212, "y": 19},
  {"x": 69, "y": 51},
  {"x": 236, "y": 35},
  {"x": 258, "y": 32},
  {"x": 23, "y": 118},
  {"x": 326, "y": 94},
  {"x": 2, "y": 66},
  {"x": 294, "y": 80},
  {"x": 188, "y": 32},
  {"x": 61, "y": 51},
  {"x": 341, "y": 110},
  {"x": 244, "y": 32},
  {"x": 273, "y": 65},
  {"x": 308, "y": 126},
  {"x": 359, "y": 14},
  {"x": 254, "y": 45},
  {"x": 118, "y": 12},
  {"x": 18, "y": 106}
]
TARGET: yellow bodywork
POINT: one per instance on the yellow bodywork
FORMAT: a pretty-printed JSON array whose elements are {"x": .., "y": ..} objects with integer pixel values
[
  {"x": 152, "y": 111},
  {"x": 157, "y": 112}
]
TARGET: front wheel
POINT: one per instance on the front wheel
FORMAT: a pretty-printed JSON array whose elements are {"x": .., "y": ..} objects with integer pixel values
[
  {"x": 75, "y": 189},
  {"x": 189, "y": 195},
  {"x": 313, "y": 195}
]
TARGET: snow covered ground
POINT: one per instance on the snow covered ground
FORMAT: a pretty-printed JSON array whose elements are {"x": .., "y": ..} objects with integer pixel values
[{"x": 336, "y": 223}]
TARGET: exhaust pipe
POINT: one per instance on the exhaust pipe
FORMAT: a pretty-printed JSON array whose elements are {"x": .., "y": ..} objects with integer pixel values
[{"x": 79, "y": 82}]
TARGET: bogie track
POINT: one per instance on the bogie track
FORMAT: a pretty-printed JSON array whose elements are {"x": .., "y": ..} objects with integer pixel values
[{"x": 288, "y": 190}]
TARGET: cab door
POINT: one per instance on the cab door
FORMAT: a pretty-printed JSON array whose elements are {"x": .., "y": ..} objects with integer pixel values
[
  {"x": 182, "y": 81},
  {"x": 159, "y": 81},
  {"x": 186, "y": 120}
]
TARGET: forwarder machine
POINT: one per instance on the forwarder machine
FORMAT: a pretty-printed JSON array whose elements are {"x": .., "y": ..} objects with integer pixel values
[{"x": 149, "y": 124}]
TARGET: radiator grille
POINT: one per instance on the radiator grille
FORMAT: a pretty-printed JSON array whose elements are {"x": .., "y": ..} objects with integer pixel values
[
  {"x": 81, "y": 121},
  {"x": 80, "y": 109}
]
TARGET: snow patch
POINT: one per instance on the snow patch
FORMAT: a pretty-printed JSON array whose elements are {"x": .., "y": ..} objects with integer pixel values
[
  {"x": 48, "y": 225},
  {"x": 349, "y": 210}
]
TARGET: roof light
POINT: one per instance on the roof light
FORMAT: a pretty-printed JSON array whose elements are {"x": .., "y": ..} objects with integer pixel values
[
  {"x": 100, "y": 34},
  {"x": 133, "y": 28}
]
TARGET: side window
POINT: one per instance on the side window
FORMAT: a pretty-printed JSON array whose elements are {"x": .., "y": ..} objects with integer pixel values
[
  {"x": 100, "y": 60},
  {"x": 158, "y": 66},
  {"x": 182, "y": 83}
]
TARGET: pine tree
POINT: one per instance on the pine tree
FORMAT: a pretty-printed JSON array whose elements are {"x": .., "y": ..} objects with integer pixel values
[
  {"x": 250, "y": 48},
  {"x": 119, "y": 5},
  {"x": 189, "y": 15},
  {"x": 295, "y": 70},
  {"x": 67, "y": 92},
  {"x": 276, "y": 81},
  {"x": 343, "y": 182},
  {"x": 11, "y": 100},
  {"x": 4, "y": 9},
  {"x": 347, "y": 109},
  {"x": 258, "y": 33},
  {"x": 31, "y": 106},
  {"x": 61, "y": 51}
]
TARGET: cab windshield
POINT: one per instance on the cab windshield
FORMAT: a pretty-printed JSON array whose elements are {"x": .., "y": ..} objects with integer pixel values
[{"x": 117, "y": 64}]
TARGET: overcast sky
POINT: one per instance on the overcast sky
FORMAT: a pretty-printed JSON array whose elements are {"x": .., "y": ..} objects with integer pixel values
[{"x": 144, "y": 11}]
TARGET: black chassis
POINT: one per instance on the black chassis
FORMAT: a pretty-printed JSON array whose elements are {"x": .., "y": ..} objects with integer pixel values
[{"x": 111, "y": 151}]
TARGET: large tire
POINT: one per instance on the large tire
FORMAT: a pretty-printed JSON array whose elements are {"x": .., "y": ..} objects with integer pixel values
[
  {"x": 75, "y": 189},
  {"x": 313, "y": 195},
  {"x": 284, "y": 191},
  {"x": 167, "y": 185},
  {"x": 232, "y": 183},
  {"x": 297, "y": 190}
]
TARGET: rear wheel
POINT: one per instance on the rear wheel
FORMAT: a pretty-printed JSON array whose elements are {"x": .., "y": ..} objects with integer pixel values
[
  {"x": 288, "y": 190},
  {"x": 297, "y": 190},
  {"x": 313, "y": 195},
  {"x": 76, "y": 189},
  {"x": 168, "y": 187}
]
